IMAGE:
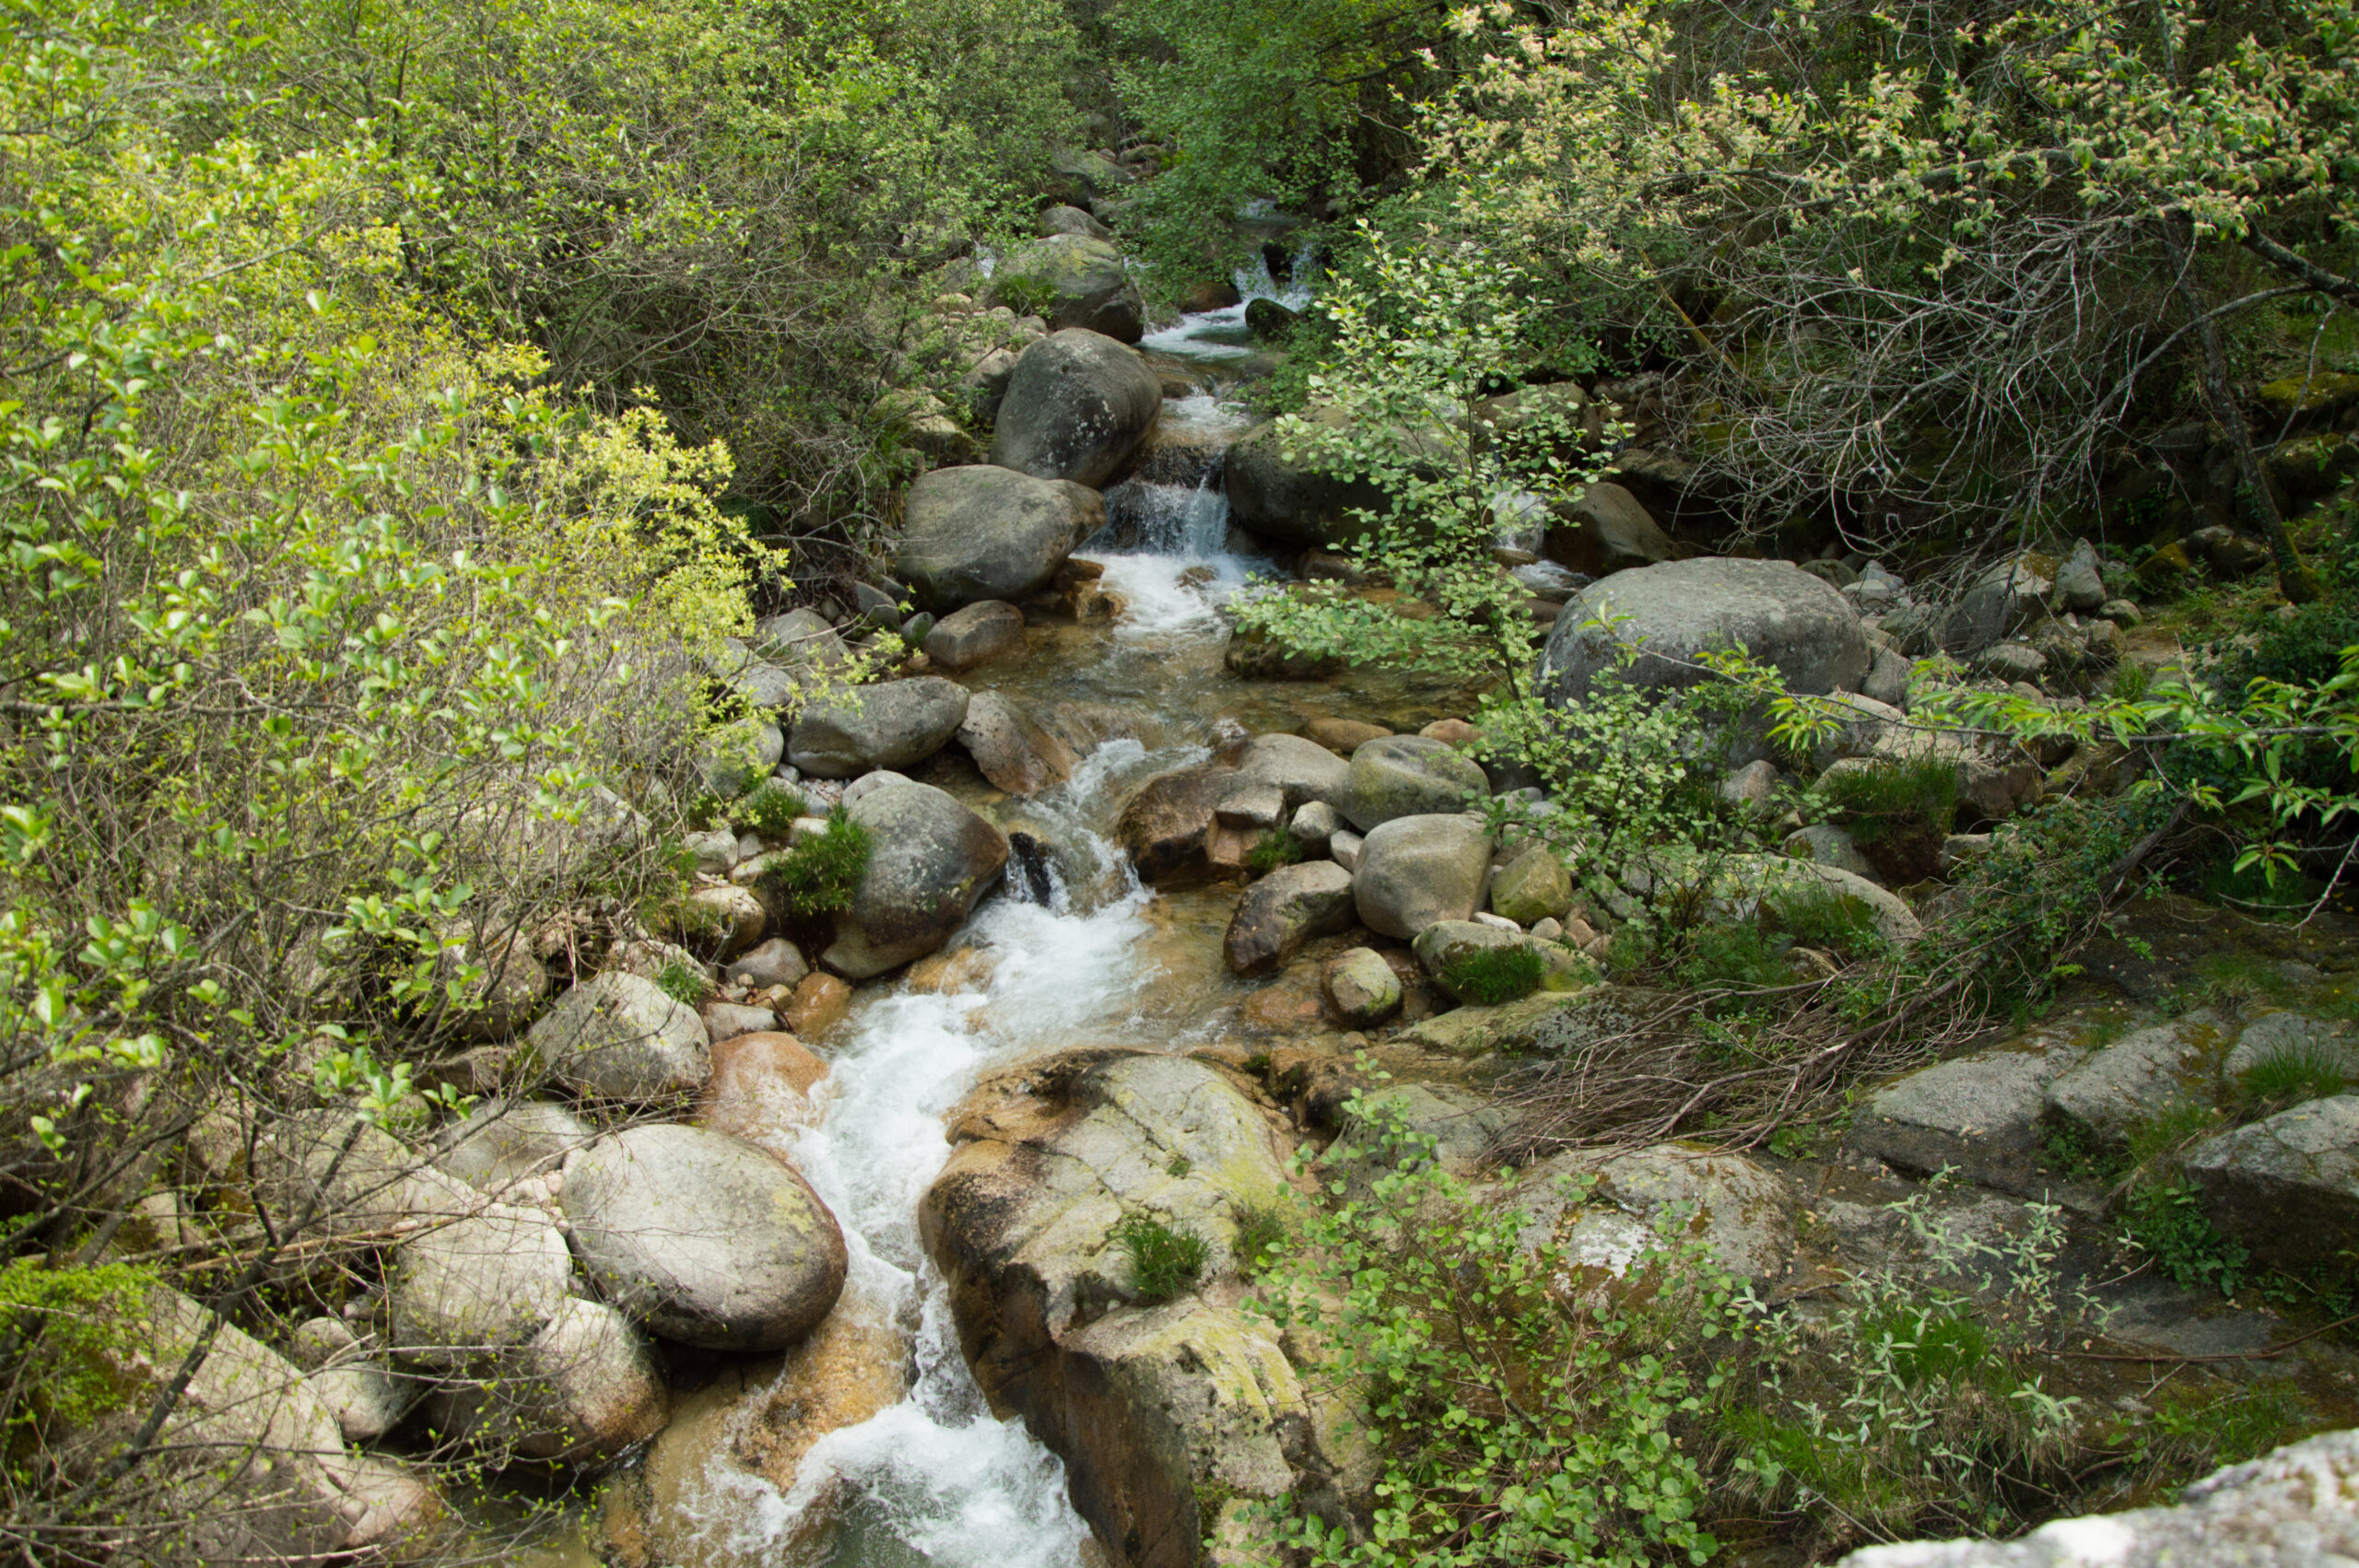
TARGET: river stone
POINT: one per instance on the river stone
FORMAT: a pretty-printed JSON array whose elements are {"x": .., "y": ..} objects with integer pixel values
[
  {"x": 727, "y": 1020},
  {"x": 585, "y": 1390},
  {"x": 762, "y": 1088},
  {"x": 724, "y": 920},
  {"x": 1606, "y": 530},
  {"x": 1284, "y": 497},
  {"x": 1014, "y": 751},
  {"x": 933, "y": 858},
  {"x": 1416, "y": 869},
  {"x": 1344, "y": 736},
  {"x": 1532, "y": 887},
  {"x": 892, "y": 724},
  {"x": 2287, "y": 1186},
  {"x": 2079, "y": 583},
  {"x": 1165, "y": 827},
  {"x": 1079, "y": 405},
  {"x": 1300, "y": 769},
  {"x": 503, "y": 1141},
  {"x": 2139, "y": 1075},
  {"x": 618, "y": 1036},
  {"x": 708, "y": 1241},
  {"x": 1408, "y": 776},
  {"x": 1073, "y": 281},
  {"x": 983, "y": 533},
  {"x": 1981, "y": 1114},
  {"x": 777, "y": 962},
  {"x": 1830, "y": 846},
  {"x": 1283, "y": 910},
  {"x": 1781, "y": 615},
  {"x": 365, "y": 1396},
  {"x": 1741, "y": 1212},
  {"x": 1361, "y": 986},
  {"x": 987, "y": 629},
  {"x": 489, "y": 1279},
  {"x": 1510, "y": 1028},
  {"x": 2291, "y": 1509}
]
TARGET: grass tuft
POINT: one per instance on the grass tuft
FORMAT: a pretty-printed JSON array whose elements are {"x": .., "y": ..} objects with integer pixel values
[
  {"x": 682, "y": 984},
  {"x": 1492, "y": 974},
  {"x": 2291, "y": 1074},
  {"x": 1164, "y": 1262},
  {"x": 1261, "y": 1234},
  {"x": 819, "y": 875},
  {"x": 770, "y": 811}
]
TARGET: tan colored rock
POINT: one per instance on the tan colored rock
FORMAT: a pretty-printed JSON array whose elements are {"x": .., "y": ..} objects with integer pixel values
[
  {"x": 761, "y": 1087},
  {"x": 1344, "y": 736},
  {"x": 817, "y": 1005}
]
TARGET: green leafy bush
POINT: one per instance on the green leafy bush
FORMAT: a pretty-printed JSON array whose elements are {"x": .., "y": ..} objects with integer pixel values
[
  {"x": 1817, "y": 916},
  {"x": 1164, "y": 1262},
  {"x": 2196, "y": 1428},
  {"x": 1488, "y": 975},
  {"x": 2164, "y": 1218},
  {"x": 770, "y": 811},
  {"x": 819, "y": 875},
  {"x": 1276, "y": 849}
]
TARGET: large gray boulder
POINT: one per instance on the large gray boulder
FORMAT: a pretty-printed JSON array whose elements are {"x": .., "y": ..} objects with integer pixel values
[
  {"x": 584, "y": 1389},
  {"x": 1606, "y": 530},
  {"x": 1776, "y": 612},
  {"x": 1739, "y": 1210},
  {"x": 1982, "y": 1115},
  {"x": 2286, "y": 1187},
  {"x": 502, "y": 1142},
  {"x": 1079, "y": 405},
  {"x": 2292, "y": 1509},
  {"x": 1284, "y": 498},
  {"x": 1072, "y": 280},
  {"x": 1283, "y": 910},
  {"x": 2145, "y": 1072},
  {"x": 1016, "y": 753},
  {"x": 706, "y": 1240},
  {"x": 987, "y": 629},
  {"x": 986, "y": 533},
  {"x": 1999, "y": 602},
  {"x": 1416, "y": 869},
  {"x": 485, "y": 1282},
  {"x": 931, "y": 859},
  {"x": 618, "y": 1036},
  {"x": 1397, "y": 776},
  {"x": 892, "y": 724}
]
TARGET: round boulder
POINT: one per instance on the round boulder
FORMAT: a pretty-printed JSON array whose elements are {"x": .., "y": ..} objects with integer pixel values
[
  {"x": 618, "y": 1036},
  {"x": 984, "y": 533},
  {"x": 502, "y": 1141},
  {"x": 1533, "y": 887},
  {"x": 1281, "y": 496},
  {"x": 708, "y": 1241},
  {"x": 1414, "y": 871},
  {"x": 1079, "y": 406},
  {"x": 1361, "y": 986},
  {"x": 933, "y": 858},
  {"x": 1072, "y": 280},
  {"x": 1397, "y": 776},
  {"x": 1774, "y": 610},
  {"x": 894, "y": 724}
]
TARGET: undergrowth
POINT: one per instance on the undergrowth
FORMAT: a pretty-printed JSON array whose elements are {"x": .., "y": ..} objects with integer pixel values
[
  {"x": 819, "y": 875},
  {"x": 1276, "y": 849},
  {"x": 770, "y": 811}
]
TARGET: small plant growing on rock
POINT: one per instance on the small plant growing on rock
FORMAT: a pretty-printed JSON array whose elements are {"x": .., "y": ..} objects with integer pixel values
[
  {"x": 1492, "y": 974},
  {"x": 2166, "y": 1219},
  {"x": 1164, "y": 1262},
  {"x": 770, "y": 811},
  {"x": 1276, "y": 849},
  {"x": 682, "y": 984},
  {"x": 819, "y": 875},
  {"x": 2291, "y": 1074},
  {"x": 1262, "y": 1232}
]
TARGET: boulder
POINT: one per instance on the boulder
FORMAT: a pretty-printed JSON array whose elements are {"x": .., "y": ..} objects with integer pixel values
[
  {"x": 1344, "y": 736},
  {"x": 1830, "y": 846},
  {"x": 933, "y": 858},
  {"x": 1152, "y": 1406},
  {"x": 2275, "y": 1034},
  {"x": 1283, "y": 910},
  {"x": 1458, "y": 1125},
  {"x": 1997, "y": 603},
  {"x": 501, "y": 1143},
  {"x": 348, "y": 1174},
  {"x": 1741, "y": 1212},
  {"x": 1282, "y": 497},
  {"x": 708, "y": 1241},
  {"x": 987, "y": 629},
  {"x": 585, "y": 1389},
  {"x": 777, "y": 962},
  {"x": 1165, "y": 827},
  {"x": 1508, "y": 1028},
  {"x": 1079, "y": 406},
  {"x": 2143, "y": 1073},
  {"x": 1780, "y": 614},
  {"x": 1072, "y": 281},
  {"x": 1606, "y": 530},
  {"x": 1408, "y": 776},
  {"x": 1887, "y": 679},
  {"x": 618, "y": 1036},
  {"x": 2286, "y": 1187},
  {"x": 1361, "y": 988},
  {"x": 1532, "y": 886},
  {"x": 1299, "y": 770},
  {"x": 1981, "y": 1114},
  {"x": 725, "y": 1019},
  {"x": 820, "y": 1003},
  {"x": 1013, "y": 750},
  {"x": 984, "y": 533},
  {"x": 2080, "y": 581},
  {"x": 1442, "y": 946},
  {"x": 367, "y": 1397},
  {"x": 762, "y": 1088},
  {"x": 1065, "y": 220},
  {"x": 2289, "y": 1508},
  {"x": 1753, "y": 884},
  {"x": 1416, "y": 869},
  {"x": 1313, "y": 823},
  {"x": 482, "y": 1283},
  {"x": 893, "y": 724}
]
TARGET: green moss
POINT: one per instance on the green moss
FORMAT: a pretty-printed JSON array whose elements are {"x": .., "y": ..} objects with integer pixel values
[
  {"x": 1164, "y": 1262},
  {"x": 1489, "y": 975},
  {"x": 819, "y": 875}
]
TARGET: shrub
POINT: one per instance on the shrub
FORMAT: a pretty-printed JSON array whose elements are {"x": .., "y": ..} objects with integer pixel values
[
  {"x": 1164, "y": 1262},
  {"x": 2290, "y": 1075},
  {"x": 1276, "y": 849},
  {"x": 2198, "y": 1429},
  {"x": 1490, "y": 975},
  {"x": 770, "y": 811},
  {"x": 819, "y": 875}
]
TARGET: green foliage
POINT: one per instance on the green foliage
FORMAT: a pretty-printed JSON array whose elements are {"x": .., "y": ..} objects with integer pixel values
[
  {"x": 2289, "y": 1074},
  {"x": 68, "y": 1331},
  {"x": 1816, "y": 916},
  {"x": 2196, "y": 1428},
  {"x": 1487, "y": 976},
  {"x": 1263, "y": 1232},
  {"x": 2164, "y": 1218},
  {"x": 819, "y": 875},
  {"x": 682, "y": 984},
  {"x": 1273, "y": 850},
  {"x": 1164, "y": 1261},
  {"x": 770, "y": 811},
  {"x": 1914, "y": 795}
]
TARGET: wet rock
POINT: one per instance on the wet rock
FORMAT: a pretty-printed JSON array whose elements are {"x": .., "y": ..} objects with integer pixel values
[
  {"x": 986, "y": 629},
  {"x": 1606, "y": 530},
  {"x": 1830, "y": 846},
  {"x": 2286, "y": 1187},
  {"x": 1287, "y": 499},
  {"x": 1077, "y": 407},
  {"x": 1416, "y": 869},
  {"x": 777, "y": 962},
  {"x": 502, "y": 1142},
  {"x": 1073, "y": 281},
  {"x": 1981, "y": 1114},
  {"x": 2289, "y": 1508},
  {"x": 820, "y": 1003},
  {"x": 489, "y": 1279},
  {"x": 762, "y": 1088},
  {"x": 1016, "y": 753},
  {"x": 893, "y": 724},
  {"x": 585, "y": 1389},
  {"x": 1283, "y": 910},
  {"x": 1534, "y": 886},
  {"x": 618, "y": 1036},
  {"x": 1361, "y": 988},
  {"x": 1401, "y": 776},
  {"x": 706, "y": 1240},
  {"x": 1344, "y": 736},
  {"x": 1784, "y": 616},
  {"x": 1741, "y": 1211},
  {"x": 2139, "y": 1075},
  {"x": 1165, "y": 827},
  {"x": 931, "y": 859},
  {"x": 985, "y": 532}
]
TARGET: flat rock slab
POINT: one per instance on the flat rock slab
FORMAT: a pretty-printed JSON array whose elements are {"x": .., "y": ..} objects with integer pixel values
[
  {"x": 2140, "y": 1075},
  {"x": 1980, "y": 1114},
  {"x": 2287, "y": 1186}
]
